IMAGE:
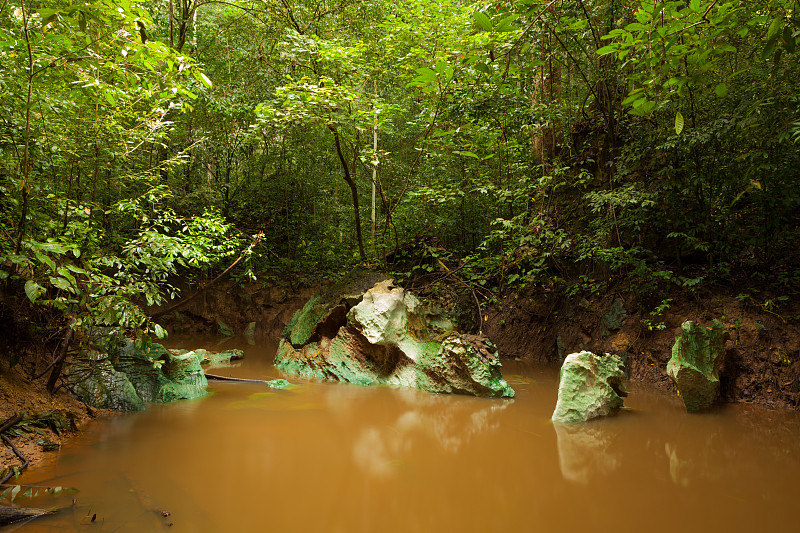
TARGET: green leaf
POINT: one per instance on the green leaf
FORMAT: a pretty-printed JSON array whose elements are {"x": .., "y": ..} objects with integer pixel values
[
  {"x": 482, "y": 20},
  {"x": 109, "y": 98},
  {"x": 766, "y": 53},
  {"x": 160, "y": 332},
  {"x": 642, "y": 107},
  {"x": 633, "y": 97},
  {"x": 33, "y": 290},
  {"x": 46, "y": 260},
  {"x": 14, "y": 492},
  {"x": 636, "y": 26},
  {"x": 206, "y": 81},
  {"x": 678, "y": 123},
  {"x": 774, "y": 27},
  {"x": 608, "y": 49},
  {"x": 483, "y": 68},
  {"x": 694, "y": 5},
  {"x": 789, "y": 42},
  {"x": 721, "y": 89},
  {"x": 466, "y": 153},
  {"x": 61, "y": 283},
  {"x": 505, "y": 24}
]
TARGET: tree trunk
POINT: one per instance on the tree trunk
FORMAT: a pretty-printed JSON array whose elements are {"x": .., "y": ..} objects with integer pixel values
[{"x": 353, "y": 190}]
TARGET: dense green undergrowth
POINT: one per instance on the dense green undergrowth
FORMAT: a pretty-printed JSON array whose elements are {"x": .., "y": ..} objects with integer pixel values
[{"x": 512, "y": 145}]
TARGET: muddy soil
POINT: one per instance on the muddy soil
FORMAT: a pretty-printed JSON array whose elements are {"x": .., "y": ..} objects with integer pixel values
[
  {"x": 235, "y": 306},
  {"x": 20, "y": 395},
  {"x": 763, "y": 353}
]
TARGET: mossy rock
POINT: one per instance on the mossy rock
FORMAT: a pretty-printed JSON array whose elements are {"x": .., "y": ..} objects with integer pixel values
[
  {"x": 590, "y": 386},
  {"x": 698, "y": 356},
  {"x": 388, "y": 336},
  {"x": 129, "y": 378}
]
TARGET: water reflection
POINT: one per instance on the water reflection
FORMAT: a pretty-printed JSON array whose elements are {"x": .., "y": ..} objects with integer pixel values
[
  {"x": 450, "y": 421},
  {"x": 586, "y": 450},
  {"x": 332, "y": 457}
]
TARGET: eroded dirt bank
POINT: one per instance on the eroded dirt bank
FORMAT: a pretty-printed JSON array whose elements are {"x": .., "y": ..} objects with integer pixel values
[
  {"x": 763, "y": 357},
  {"x": 763, "y": 352}
]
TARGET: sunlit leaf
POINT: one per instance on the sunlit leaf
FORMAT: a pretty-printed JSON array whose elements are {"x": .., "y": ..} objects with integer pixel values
[
  {"x": 482, "y": 20},
  {"x": 678, "y": 123},
  {"x": 33, "y": 290}
]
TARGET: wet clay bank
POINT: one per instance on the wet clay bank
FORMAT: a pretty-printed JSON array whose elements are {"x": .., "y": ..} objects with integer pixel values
[
  {"x": 762, "y": 363},
  {"x": 763, "y": 349}
]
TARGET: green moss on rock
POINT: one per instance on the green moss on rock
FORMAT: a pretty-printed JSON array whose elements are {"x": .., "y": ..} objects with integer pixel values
[
  {"x": 128, "y": 378},
  {"x": 389, "y": 336},
  {"x": 698, "y": 355},
  {"x": 590, "y": 386}
]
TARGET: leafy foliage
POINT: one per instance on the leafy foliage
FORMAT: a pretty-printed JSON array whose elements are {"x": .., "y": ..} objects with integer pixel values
[{"x": 540, "y": 143}]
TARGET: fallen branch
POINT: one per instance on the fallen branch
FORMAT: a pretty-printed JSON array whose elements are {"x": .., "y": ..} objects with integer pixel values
[
  {"x": 11, "y": 421},
  {"x": 19, "y": 454},
  {"x": 216, "y": 377},
  {"x": 200, "y": 291},
  {"x": 10, "y": 515}
]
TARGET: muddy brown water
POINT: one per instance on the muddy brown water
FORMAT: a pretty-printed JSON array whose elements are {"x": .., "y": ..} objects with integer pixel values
[{"x": 333, "y": 457}]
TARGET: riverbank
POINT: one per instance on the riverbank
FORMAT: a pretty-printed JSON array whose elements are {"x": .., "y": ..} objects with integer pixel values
[
  {"x": 763, "y": 348},
  {"x": 51, "y": 420},
  {"x": 542, "y": 327}
]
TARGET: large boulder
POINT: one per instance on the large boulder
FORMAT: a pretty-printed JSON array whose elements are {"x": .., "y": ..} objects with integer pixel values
[
  {"x": 126, "y": 377},
  {"x": 590, "y": 386},
  {"x": 386, "y": 335},
  {"x": 698, "y": 356}
]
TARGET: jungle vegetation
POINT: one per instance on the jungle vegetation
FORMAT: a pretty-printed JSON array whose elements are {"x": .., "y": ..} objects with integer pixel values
[{"x": 529, "y": 143}]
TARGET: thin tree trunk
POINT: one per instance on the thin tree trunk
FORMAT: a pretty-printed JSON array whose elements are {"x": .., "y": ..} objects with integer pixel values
[
  {"x": 353, "y": 190},
  {"x": 25, "y": 185}
]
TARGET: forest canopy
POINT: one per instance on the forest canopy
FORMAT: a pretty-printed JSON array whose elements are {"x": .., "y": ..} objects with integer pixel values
[{"x": 529, "y": 143}]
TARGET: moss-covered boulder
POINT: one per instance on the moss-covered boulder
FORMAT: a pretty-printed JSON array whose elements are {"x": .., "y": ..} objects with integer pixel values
[
  {"x": 590, "y": 386},
  {"x": 385, "y": 335},
  {"x": 698, "y": 356},
  {"x": 102, "y": 386},
  {"x": 126, "y": 378}
]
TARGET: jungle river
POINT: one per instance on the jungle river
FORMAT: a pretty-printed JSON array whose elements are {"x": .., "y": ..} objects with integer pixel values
[{"x": 332, "y": 457}]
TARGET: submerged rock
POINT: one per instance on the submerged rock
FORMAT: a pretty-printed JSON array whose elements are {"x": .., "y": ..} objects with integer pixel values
[
  {"x": 386, "y": 335},
  {"x": 208, "y": 357},
  {"x": 126, "y": 378},
  {"x": 697, "y": 358},
  {"x": 279, "y": 384},
  {"x": 590, "y": 386}
]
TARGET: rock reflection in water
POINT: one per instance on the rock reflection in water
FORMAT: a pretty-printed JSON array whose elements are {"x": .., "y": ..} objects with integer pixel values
[
  {"x": 586, "y": 450},
  {"x": 451, "y": 421}
]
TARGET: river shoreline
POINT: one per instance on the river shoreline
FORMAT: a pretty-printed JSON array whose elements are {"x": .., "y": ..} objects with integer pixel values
[{"x": 542, "y": 328}]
